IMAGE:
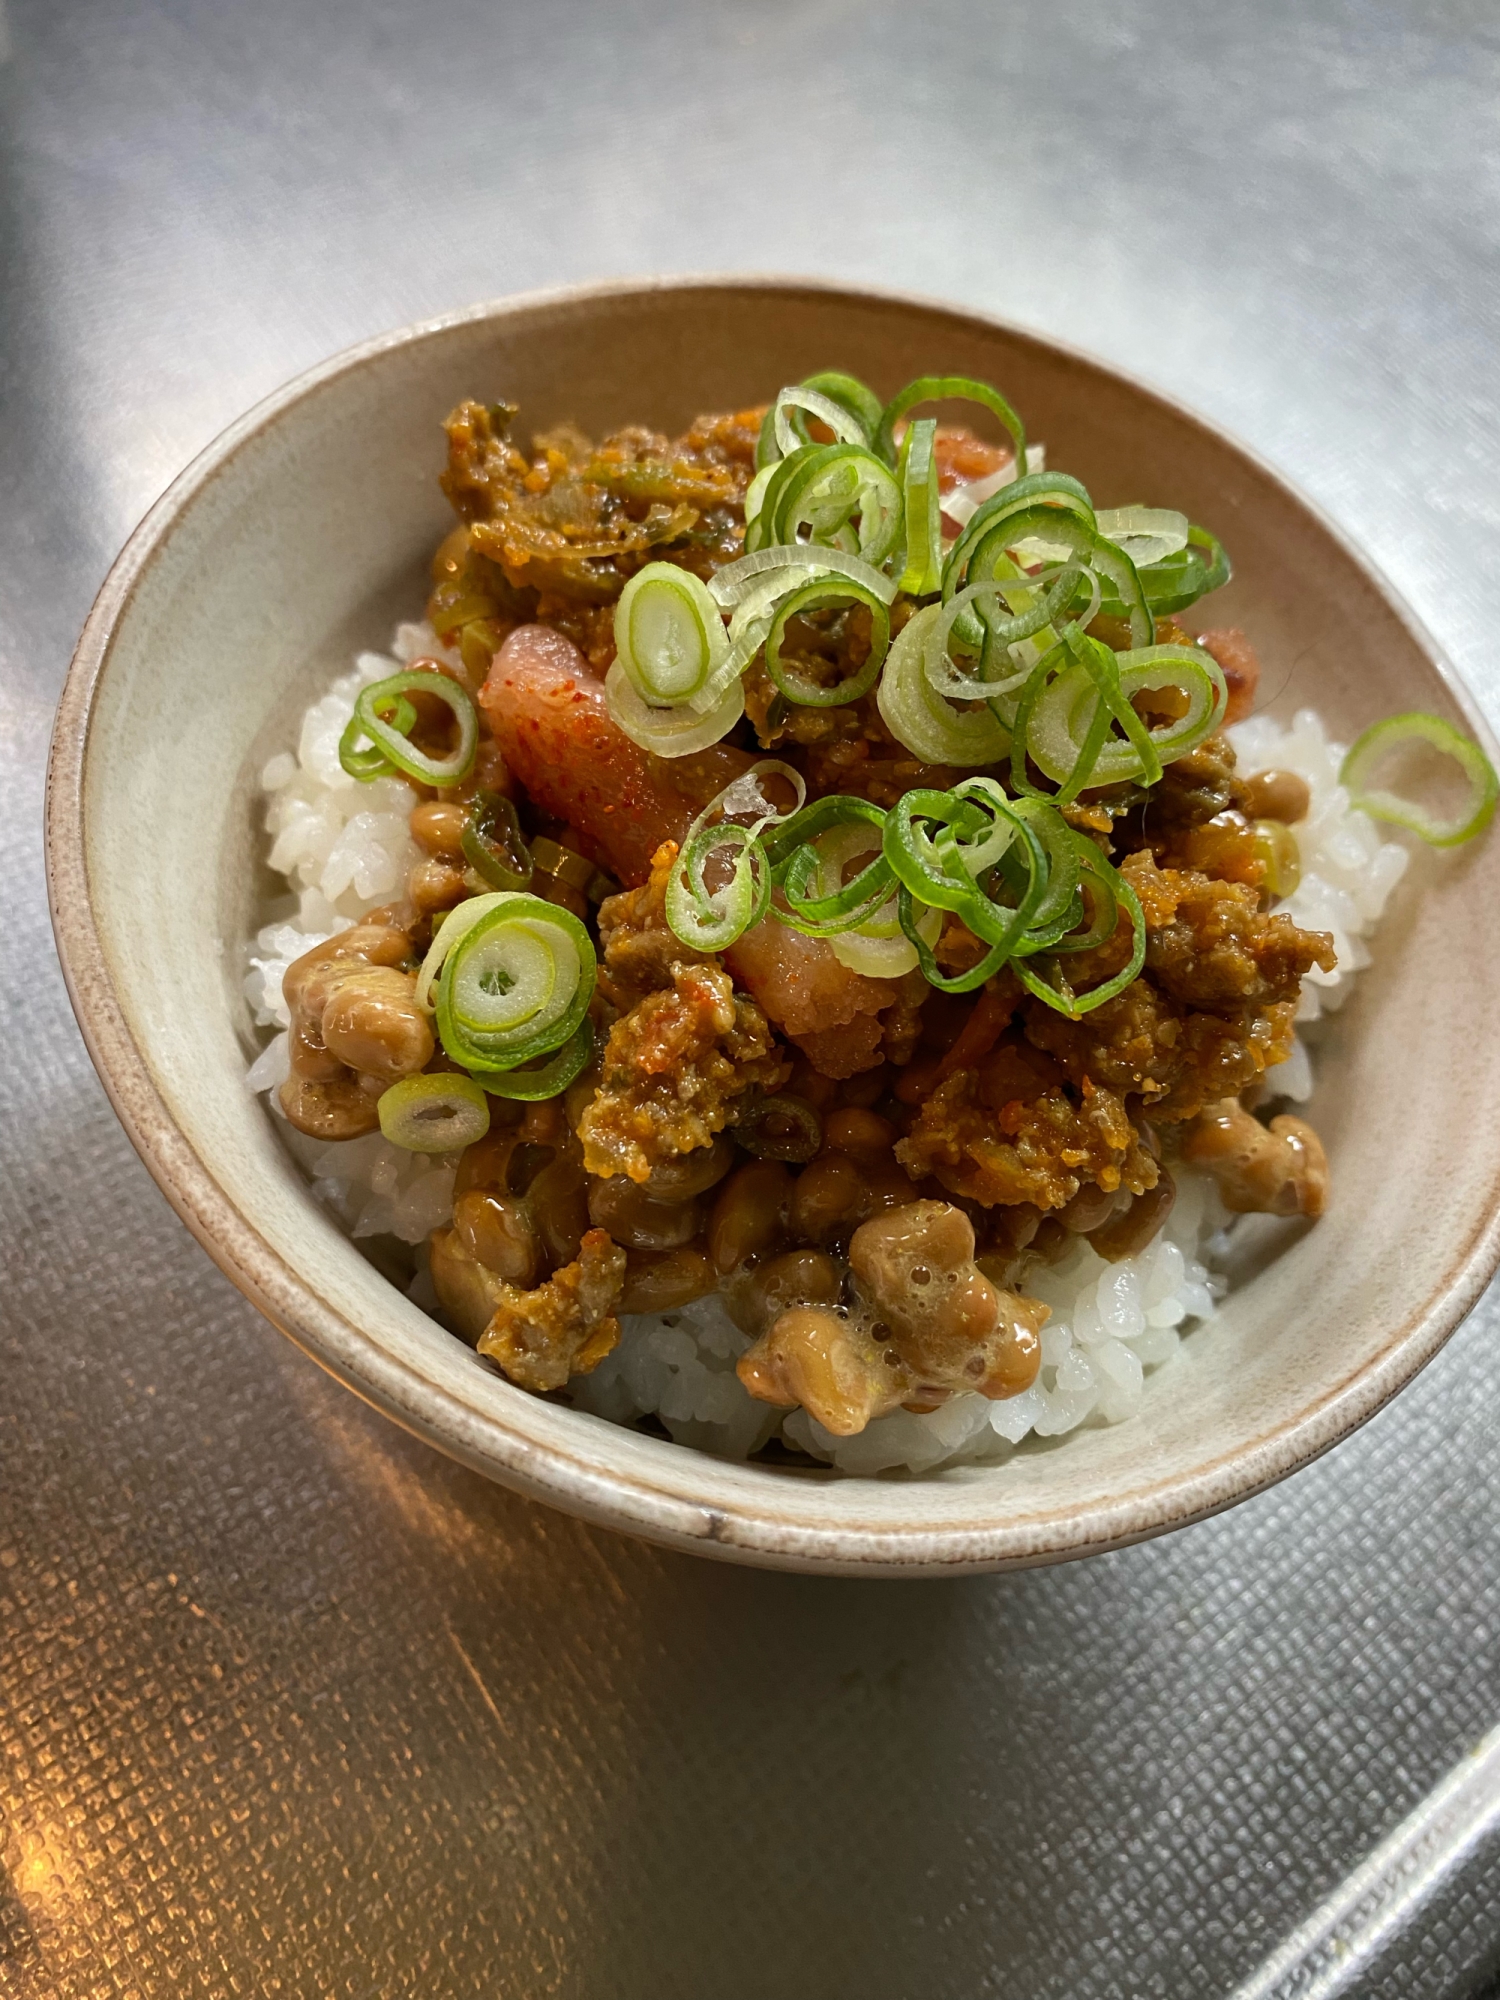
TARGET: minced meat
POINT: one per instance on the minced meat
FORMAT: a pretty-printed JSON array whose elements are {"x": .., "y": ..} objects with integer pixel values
[
  {"x": 1041, "y": 1149},
  {"x": 564, "y": 1327},
  {"x": 674, "y": 1067}
]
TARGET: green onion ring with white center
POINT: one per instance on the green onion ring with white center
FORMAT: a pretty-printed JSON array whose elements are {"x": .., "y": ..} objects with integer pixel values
[
  {"x": 946, "y": 389},
  {"x": 1063, "y": 734},
  {"x": 384, "y": 715},
  {"x": 917, "y": 475},
  {"x": 672, "y": 732},
  {"x": 920, "y": 719},
  {"x": 459, "y": 920},
  {"x": 710, "y": 917},
  {"x": 669, "y": 634},
  {"x": 1381, "y": 739},
  {"x": 823, "y": 594},
  {"x": 515, "y": 981},
  {"x": 434, "y": 1113}
]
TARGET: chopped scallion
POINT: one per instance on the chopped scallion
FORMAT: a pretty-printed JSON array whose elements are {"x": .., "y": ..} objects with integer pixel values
[
  {"x": 385, "y": 717},
  {"x": 1385, "y": 739},
  {"x": 434, "y": 1113}
]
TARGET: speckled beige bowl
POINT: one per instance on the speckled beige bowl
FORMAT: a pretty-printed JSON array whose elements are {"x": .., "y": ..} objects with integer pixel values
[{"x": 304, "y": 531}]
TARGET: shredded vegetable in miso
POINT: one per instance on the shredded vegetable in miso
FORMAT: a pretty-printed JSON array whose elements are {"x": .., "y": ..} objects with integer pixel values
[{"x": 830, "y": 895}]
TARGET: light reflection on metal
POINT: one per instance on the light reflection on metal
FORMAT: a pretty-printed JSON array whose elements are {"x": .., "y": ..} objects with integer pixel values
[
  {"x": 45, "y": 1876},
  {"x": 1334, "y": 1952}
]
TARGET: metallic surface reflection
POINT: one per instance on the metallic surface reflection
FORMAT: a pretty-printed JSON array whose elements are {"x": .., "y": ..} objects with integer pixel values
[{"x": 290, "y": 1704}]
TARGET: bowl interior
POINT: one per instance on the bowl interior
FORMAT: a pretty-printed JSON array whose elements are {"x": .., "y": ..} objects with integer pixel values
[{"x": 305, "y": 533}]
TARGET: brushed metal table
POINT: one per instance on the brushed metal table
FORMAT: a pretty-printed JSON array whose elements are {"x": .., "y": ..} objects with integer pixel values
[{"x": 288, "y": 1704}]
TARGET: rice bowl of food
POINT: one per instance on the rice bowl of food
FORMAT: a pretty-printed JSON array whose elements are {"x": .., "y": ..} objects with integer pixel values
[{"x": 779, "y": 980}]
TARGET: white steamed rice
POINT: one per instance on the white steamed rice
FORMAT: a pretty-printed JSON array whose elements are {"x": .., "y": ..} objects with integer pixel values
[{"x": 344, "y": 848}]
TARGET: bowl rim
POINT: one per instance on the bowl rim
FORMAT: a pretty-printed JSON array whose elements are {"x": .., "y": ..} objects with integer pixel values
[{"x": 728, "y": 1526}]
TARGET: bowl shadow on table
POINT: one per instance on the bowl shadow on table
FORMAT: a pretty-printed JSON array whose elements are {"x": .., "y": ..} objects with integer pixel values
[{"x": 736, "y": 1781}]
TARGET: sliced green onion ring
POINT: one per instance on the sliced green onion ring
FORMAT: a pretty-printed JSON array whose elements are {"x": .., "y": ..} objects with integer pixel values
[
  {"x": 750, "y": 623},
  {"x": 1074, "y": 1005},
  {"x": 847, "y": 391},
  {"x": 920, "y": 719},
  {"x": 1174, "y": 582},
  {"x": 1049, "y": 591},
  {"x": 731, "y": 585},
  {"x": 493, "y": 843},
  {"x": 710, "y": 916},
  {"x": 841, "y": 420},
  {"x": 850, "y": 394},
  {"x": 1053, "y": 489},
  {"x": 1095, "y": 663},
  {"x": 1046, "y": 519},
  {"x": 459, "y": 921},
  {"x": 838, "y": 905},
  {"x": 671, "y": 732},
  {"x": 1063, "y": 733},
  {"x": 752, "y": 589},
  {"x": 669, "y": 634},
  {"x": 976, "y": 825},
  {"x": 755, "y": 494},
  {"x": 917, "y": 474},
  {"x": 1102, "y": 882},
  {"x": 1382, "y": 738},
  {"x": 1146, "y": 534},
  {"x": 872, "y": 942},
  {"x": 794, "y": 850},
  {"x": 1051, "y": 535},
  {"x": 944, "y": 389},
  {"x": 821, "y": 489},
  {"x": 780, "y": 1127},
  {"x": 1066, "y": 862},
  {"x": 384, "y": 716},
  {"x": 880, "y": 947},
  {"x": 911, "y": 914},
  {"x": 514, "y": 982},
  {"x": 434, "y": 1113},
  {"x": 821, "y": 595},
  {"x": 811, "y": 852},
  {"x": 530, "y": 1083}
]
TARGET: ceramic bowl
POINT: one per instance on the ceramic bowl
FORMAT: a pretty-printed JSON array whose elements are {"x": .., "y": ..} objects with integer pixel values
[{"x": 305, "y": 531}]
